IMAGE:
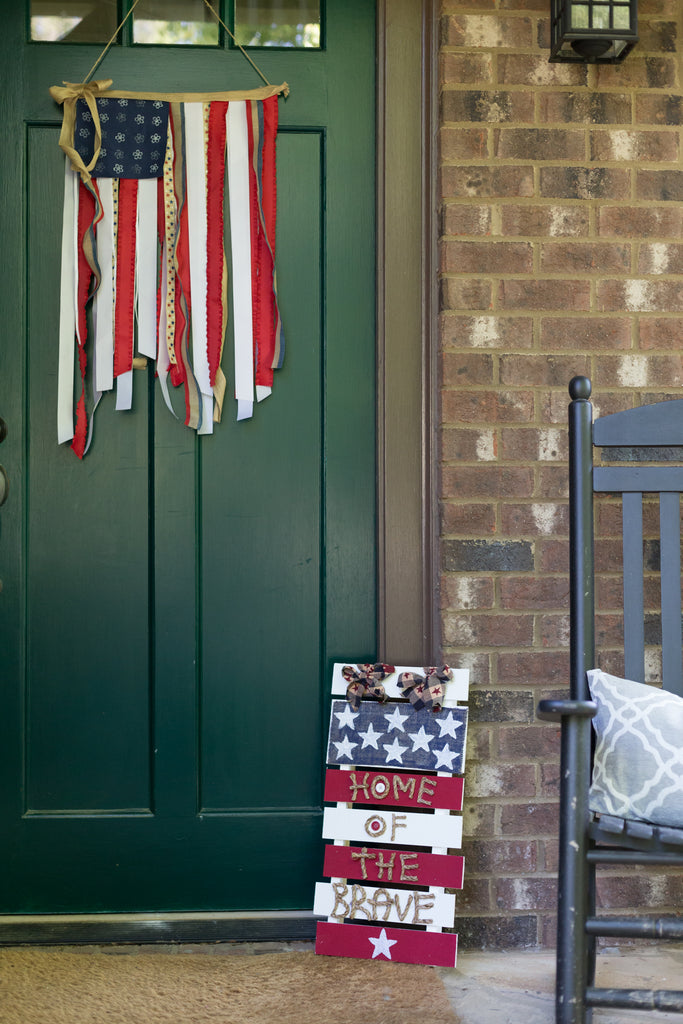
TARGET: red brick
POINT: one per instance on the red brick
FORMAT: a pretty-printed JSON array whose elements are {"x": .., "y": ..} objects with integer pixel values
[
  {"x": 475, "y": 895},
  {"x": 461, "y": 219},
  {"x": 658, "y": 109},
  {"x": 531, "y": 370},
  {"x": 554, "y": 631},
  {"x": 488, "y": 630},
  {"x": 585, "y": 257},
  {"x": 533, "y": 594},
  {"x": 526, "y": 893},
  {"x": 586, "y": 108},
  {"x": 459, "y": 293},
  {"x": 487, "y": 31},
  {"x": 550, "y": 779},
  {"x": 482, "y": 181},
  {"x": 550, "y": 220},
  {"x": 640, "y": 295},
  {"x": 476, "y": 105},
  {"x": 487, "y": 481},
  {"x": 529, "y": 742},
  {"x": 655, "y": 889},
  {"x": 501, "y": 780},
  {"x": 529, "y": 819},
  {"x": 634, "y": 146},
  {"x": 651, "y": 72},
  {"x": 487, "y": 332},
  {"x": 531, "y": 444},
  {"x": 487, "y": 407},
  {"x": 545, "y": 295},
  {"x": 662, "y": 186},
  {"x": 475, "y": 520},
  {"x": 465, "y": 67},
  {"x": 554, "y": 555},
  {"x": 486, "y": 257},
  {"x": 467, "y": 368},
  {"x": 551, "y": 481},
  {"x": 538, "y": 144},
  {"x": 534, "y": 667},
  {"x": 666, "y": 370},
  {"x": 661, "y": 332},
  {"x": 586, "y": 334},
  {"x": 462, "y": 144},
  {"x": 585, "y": 183},
  {"x": 640, "y": 222}
]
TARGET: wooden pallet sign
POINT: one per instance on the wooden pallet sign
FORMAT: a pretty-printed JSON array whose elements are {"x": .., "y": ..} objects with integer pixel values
[{"x": 394, "y": 776}]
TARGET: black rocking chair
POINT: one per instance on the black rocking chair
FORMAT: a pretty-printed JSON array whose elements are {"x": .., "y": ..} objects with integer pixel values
[{"x": 635, "y": 439}]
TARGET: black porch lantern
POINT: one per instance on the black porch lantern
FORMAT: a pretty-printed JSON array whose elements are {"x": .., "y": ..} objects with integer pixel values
[{"x": 592, "y": 31}]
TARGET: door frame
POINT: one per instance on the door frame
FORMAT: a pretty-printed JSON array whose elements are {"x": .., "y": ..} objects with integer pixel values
[{"x": 407, "y": 420}]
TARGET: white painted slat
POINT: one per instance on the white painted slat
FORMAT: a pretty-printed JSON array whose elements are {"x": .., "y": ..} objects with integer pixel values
[
  {"x": 394, "y": 827},
  {"x": 359, "y": 902},
  {"x": 457, "y": 689}
]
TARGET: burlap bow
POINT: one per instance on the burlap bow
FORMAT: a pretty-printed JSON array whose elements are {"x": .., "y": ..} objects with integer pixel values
[
  {"x": 365, "y": 680},
  {"x": 425, "y": 691},
  {"x": 68, "y": 94}
]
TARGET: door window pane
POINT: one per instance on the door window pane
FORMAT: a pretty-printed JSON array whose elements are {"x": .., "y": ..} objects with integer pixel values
[
  {"x": 278, "y": 23},
  {"x": 73, "y": 21},
  {"x": 175, "y": 22}
]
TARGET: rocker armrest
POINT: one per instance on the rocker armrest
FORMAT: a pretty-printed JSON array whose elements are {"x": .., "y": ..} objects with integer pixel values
[{"x": 556, "y": 710}]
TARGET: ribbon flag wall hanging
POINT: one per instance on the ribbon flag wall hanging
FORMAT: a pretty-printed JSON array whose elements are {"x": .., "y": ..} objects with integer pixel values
[{"x": 145, "y": 207}]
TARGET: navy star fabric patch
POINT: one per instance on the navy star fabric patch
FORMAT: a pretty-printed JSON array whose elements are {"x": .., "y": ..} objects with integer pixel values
[
  {"x": 133, "y": 137},
  {"x": 396, "y": 736}
]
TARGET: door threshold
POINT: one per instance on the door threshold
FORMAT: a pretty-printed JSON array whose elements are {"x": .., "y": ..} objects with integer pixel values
[{"x": 115, "y": 929}]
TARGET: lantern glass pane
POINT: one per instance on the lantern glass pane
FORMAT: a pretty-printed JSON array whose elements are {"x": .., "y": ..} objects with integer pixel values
[
  {"x": 622, "y": 16},
  {"x": 580, "y": 16},
  {"x": 601, "y": 16}
]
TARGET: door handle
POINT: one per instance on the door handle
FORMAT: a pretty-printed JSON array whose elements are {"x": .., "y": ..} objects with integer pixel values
[{"x": 4, "y": 485}]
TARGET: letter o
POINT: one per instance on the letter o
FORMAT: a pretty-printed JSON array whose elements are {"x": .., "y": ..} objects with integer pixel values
[{"x": 375, "y": 826}]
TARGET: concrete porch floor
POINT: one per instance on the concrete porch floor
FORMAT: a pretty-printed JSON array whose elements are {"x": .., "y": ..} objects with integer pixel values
[{"x": 514, "y": 987}]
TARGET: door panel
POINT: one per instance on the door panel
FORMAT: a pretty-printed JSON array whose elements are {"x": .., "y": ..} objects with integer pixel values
[{"x": 171, "y": 606}]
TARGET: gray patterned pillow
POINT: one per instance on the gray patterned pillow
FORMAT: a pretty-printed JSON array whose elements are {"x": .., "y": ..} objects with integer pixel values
[{"x": 638, "y": 763}]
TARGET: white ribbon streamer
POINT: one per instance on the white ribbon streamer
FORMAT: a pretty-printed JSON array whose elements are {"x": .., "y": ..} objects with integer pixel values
[
  {"x": 240, "y": 230},
  {"x": 146, "y": 267}
]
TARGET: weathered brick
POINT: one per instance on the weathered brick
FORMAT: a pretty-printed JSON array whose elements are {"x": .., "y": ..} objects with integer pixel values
[
  {"x": 629, "y": 145},
  {"x": 502, "y": 706},
  {"x": 478, "y": 819},
  {"x": 639, "y": 295},
  {"x": 497, "y": 856},
  {"x": 533, "y": 594},
  {"x": 532, "y": 444},
  {"x": 646, "y": 370},
  {"x": 466, "y": 369},
  {"x": 649, "y": 72},
  {"x": 554, "y": 631},
  {"x": 525, "y": 69},
  {"x": 479, "y": 743},
  {"x": 585, "y": 183},
  {"x": 551, "y": 481},
  {"x": 496, "y": 780},
  {"x": 487, "y": 332},
  {"x": 550, "y": 779},
  {"x": 467, "y": 592},
  {"x": 486, "y": 257},
  {"x": 481, "y": 181},
  {"x": 654, "y": 889},
  {"x": 487, "y": 407},
  {"x": 553, "y": 555},
  {"x": 538, "y": 143},
  {"x": 664, "y": 186},
  {"x": 462, "y": 445},
  {"x": 585, "y": 333},
  {"x": 549, "y": 220},
  {"x": 526, "y": 370},
  {"x": 658, "y": 36},
  {"x": 503, "y": 932},
  {"x": 474, "y": 519},
  {"x": 530, "y": 742},
  {"x": 486, "y": 31},
  {"x": 544, "y": 518},
  {"x": 658, "y": 109},
  {"x": 640, "y": 222},
  {"x": 529, "y": 819},
  {"x": 476, "y": 895},
  {"x": 465, "y": 67},
  {"x": 586, "y": 108},
  {"x": 526, "y": 893},
  {"x": 487, "y": 555},
  {"x": 585, "y": 257},
  {"x": 661, "y": 332},
  {"x": 488, "y": 630},
  {"x": 544, "y": 295},
  {"x": 472, "y": 106},
  {"x": 464, "y": 293},
  {"x": 462, "y": 219},
  {"x": 487, "y": 481},
  {"x": 462, "y": 144}
]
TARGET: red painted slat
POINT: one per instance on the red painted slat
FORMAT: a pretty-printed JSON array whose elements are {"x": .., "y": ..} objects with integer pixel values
[
  {"x": 400, "y": 945},
  {"x": 397, "y": 789},
  {"x": 393, "y": 866}
]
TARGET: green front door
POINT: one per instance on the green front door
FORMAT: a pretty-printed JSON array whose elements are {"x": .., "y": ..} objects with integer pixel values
[{"x": 171, "y": 606}]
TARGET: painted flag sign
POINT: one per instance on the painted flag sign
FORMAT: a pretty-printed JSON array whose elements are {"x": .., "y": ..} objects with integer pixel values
[
  {"x": 145, "y": 205},
  {"x": 395, "y": 776}
]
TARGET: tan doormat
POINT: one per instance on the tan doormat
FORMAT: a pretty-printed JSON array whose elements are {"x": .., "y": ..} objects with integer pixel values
[{"x": 63, "y": 987}]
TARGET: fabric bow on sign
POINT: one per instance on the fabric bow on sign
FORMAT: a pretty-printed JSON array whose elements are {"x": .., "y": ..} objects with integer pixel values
[
  {"x": 365, "y": 679},
  {"x": 425, "y": 691}
]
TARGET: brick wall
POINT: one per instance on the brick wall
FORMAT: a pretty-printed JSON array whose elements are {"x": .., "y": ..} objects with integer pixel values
[{"x": 561, "y": 253}]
